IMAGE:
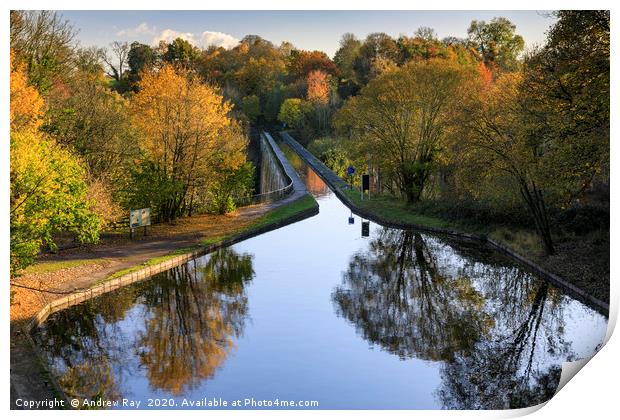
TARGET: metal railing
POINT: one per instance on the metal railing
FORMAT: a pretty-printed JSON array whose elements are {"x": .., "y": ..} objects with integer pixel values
[{"x": 265, "y": 197}]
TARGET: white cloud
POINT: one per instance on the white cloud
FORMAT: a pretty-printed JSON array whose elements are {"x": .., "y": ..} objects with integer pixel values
[
  {"x": 140, "y": 30},
  {"x": 170, "y": 35},
  {"x": 219, "y": 39}
]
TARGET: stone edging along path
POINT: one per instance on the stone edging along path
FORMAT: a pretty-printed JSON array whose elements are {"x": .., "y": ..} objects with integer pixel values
[
  {"x": 146, "y": 272},
  {"x": 337, "y": 185},
  {"x": 299, "y": 191}
]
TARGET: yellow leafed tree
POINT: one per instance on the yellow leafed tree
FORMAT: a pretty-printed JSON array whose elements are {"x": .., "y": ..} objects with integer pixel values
[
  {"x": 185, "y": 128},
  {"x": 401, "y": 118}
]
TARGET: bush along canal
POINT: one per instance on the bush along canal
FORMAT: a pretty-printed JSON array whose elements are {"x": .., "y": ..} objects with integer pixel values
[{"x": 332, "y": 312}]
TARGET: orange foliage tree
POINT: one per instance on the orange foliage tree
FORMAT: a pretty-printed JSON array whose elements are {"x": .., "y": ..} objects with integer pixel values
[
  {"x": 303, "y": 62},
  {"x": 26, "y": 104},
  {"x": 318, "y": 87}
]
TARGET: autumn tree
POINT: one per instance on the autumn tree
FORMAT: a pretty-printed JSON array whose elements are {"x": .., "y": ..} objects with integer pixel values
[
  {"x": 401, "y": 118},
  {"x": 48, "y": 187},
  {"x": 26, "y": 105},
  {"x": 546, "y": 128},
  {"x": 421, "y": 47},
  {"x": 182, "y": 122},
  {"x": 94, "y": 121},
  {"x": 377, "y": 46},
  {"x": 318, "y": 87},
  {"x": 567, "y": 86},
  {"x": 45, "y": 43},
  {"x": 497, "y": 142},
  {"x": 259, "y": 75},
  {"x": 319, "y": 90},
  {"x": 301, "y": 63}
]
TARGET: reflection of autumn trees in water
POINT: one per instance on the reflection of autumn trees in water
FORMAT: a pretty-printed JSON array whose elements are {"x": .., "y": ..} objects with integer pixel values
[
  {"x": 509, "y": 371},
  {"x": 191, "y": 315},
  {"x": 396, "y": 298},
  {"x": 314, "y": 183},
  {"x": 91, "y": 378},
  {"x": 195, "y": 314},
  {"x": 497, "y": 330},
  {"x": 83, "y": 345}
]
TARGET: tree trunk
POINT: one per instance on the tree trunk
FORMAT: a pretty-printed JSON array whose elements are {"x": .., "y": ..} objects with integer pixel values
[
  {"x": 414, "y": 176},
  {"x": 191, "y": 204},
  {"x": 536, "y": 204}
]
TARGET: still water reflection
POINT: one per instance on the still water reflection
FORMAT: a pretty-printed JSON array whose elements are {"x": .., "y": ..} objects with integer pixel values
[{"x": 316, "y": 311}]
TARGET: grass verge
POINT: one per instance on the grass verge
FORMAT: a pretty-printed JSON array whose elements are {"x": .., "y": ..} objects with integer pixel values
[{"x": 395, "y": 210}]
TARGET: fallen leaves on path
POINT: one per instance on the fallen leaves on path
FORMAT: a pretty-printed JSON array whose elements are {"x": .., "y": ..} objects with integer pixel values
[{"x": 161, "y": 240}]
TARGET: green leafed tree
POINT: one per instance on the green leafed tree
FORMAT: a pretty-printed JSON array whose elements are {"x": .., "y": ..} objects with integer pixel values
[
  {"x": 497, "y": 42},
  {"x": 140, "y": 58},
  {"x": 229, "y": 184},
  {"x": 292, "y": 112},
  {"x": 251, "y": 107},
  {"x": 181, "y": 52},
  {"x": 346, "y": 55}
]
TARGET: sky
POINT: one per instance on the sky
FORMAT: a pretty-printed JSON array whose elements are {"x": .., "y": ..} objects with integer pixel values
[{"x": 308, "y": 30}]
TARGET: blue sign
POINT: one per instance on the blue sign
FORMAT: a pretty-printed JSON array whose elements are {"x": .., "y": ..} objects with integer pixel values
[{"x": 350, "y": 170}]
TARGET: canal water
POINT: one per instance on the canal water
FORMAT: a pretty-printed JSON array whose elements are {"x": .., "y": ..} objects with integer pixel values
[{"x": 343, "y": 312}]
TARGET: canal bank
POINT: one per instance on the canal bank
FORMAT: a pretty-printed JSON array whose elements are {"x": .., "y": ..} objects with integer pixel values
[
  {"x": 30, "y": 379},
  {"x": 343, "y": 191}
]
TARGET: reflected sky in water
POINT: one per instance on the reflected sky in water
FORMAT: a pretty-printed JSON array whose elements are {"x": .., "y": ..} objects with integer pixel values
[{"x": 315, "y": 311}]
